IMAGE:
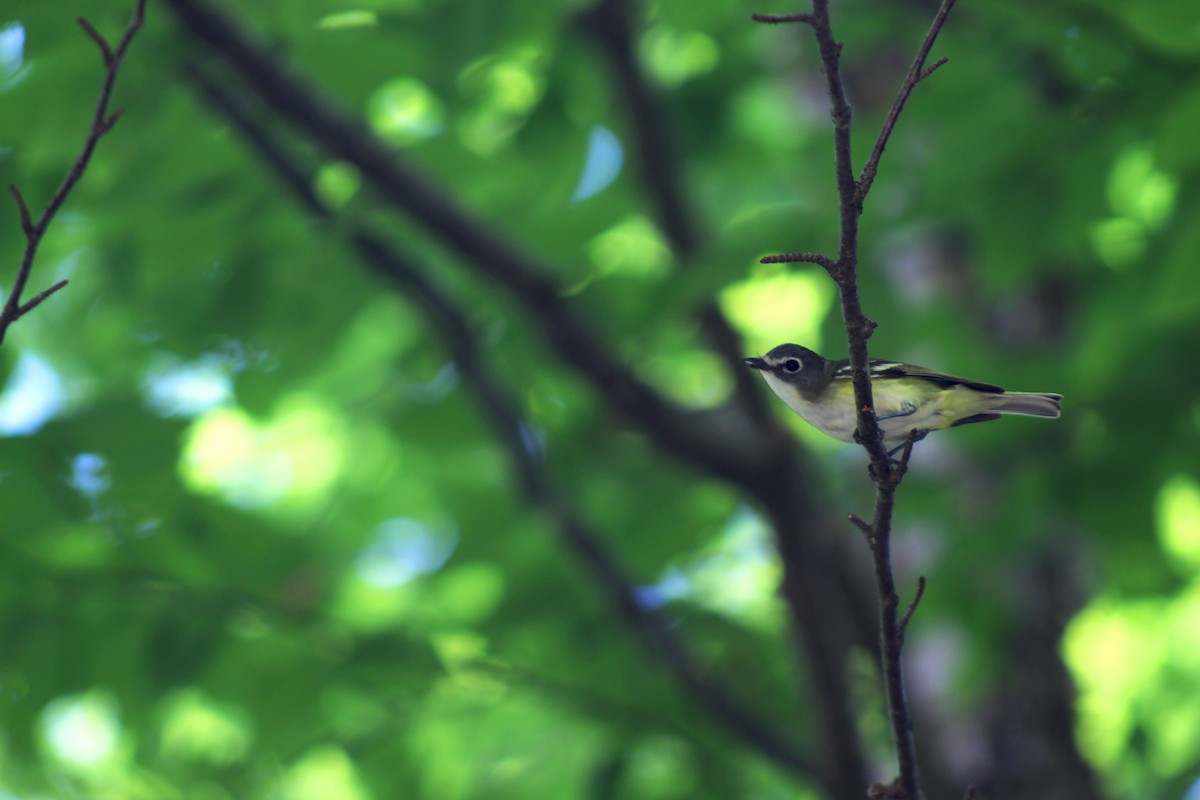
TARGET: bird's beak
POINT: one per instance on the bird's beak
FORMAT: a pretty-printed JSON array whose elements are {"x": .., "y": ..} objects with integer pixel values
[{"x": 756, "y": 363}]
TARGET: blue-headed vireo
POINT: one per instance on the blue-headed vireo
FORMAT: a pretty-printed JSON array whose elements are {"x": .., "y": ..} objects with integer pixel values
[{"x": 907, "y": 397}]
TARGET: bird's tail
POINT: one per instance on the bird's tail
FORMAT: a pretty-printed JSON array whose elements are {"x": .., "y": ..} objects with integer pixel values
[{"x": 1030, "y": 404}]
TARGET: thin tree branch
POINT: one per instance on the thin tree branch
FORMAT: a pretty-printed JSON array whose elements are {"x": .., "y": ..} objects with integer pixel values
[
  {"x": 102, "y": 122},
  {"x": 925, "y": 73},
  {"x": 891, "y": 641},
  {"x": 22, "y": 210},
  {"x": 513, "y": 432},
  {"x": 887, "y": 476},
  {"x": 863, "y": 526},
  {"x": 916, "y": 73},
  {"x": 39, "y": 297},
  {"x": 778, "y": 19},
  {"x": 912, "y": 607},
  {"x": 858, "y": 326},
  {"x": 825, "y": 262}
]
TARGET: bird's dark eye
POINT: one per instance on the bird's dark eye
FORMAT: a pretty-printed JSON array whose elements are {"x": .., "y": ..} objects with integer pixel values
[{"x": 791, "y": 365}]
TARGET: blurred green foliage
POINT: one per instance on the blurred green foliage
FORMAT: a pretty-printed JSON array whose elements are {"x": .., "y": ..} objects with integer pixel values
[{"x": 259, "y": 543}]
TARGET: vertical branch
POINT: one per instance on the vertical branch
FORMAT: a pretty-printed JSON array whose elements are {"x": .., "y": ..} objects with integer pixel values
[
  {"x": 102, "y": 122},
  {"x": 852, "y": 193},
  {"x": 845, "y": 271},
  {"x": 891, "y": 632}
]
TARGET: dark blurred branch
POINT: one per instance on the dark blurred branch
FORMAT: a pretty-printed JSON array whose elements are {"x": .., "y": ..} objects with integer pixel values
[
  {"x": 818, "y": 630},
  {"x": 516, "y": 437},
  {"x": 610, "y": 23},
  {"x": 852, "y": 193},
  {"x": 718, "y": 442},
  {"x": 1030, "y": 722},
  {"x": 102, "y": 123}
]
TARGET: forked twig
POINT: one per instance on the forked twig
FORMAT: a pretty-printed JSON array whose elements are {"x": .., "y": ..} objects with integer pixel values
[
  {"x": 102, "y": 123},
  {"x": 863, "y": 526}
]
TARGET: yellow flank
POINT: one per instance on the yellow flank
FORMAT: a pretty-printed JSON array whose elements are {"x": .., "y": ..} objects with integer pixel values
[{"x": 933, "y": 408}]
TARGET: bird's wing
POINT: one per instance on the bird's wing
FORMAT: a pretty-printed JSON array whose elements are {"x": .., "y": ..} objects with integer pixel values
[{"x": 895, "y": 369}]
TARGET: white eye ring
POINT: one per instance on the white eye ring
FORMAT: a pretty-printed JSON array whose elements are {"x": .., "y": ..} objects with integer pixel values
[{"x": 792, "y": 365}]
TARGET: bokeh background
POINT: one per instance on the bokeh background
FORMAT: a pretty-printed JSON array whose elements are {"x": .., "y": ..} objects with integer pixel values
[{"x": 261, "y": 540}]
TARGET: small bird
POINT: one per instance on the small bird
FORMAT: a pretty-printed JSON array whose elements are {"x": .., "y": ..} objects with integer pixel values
[{"x": 906, "y": 397}]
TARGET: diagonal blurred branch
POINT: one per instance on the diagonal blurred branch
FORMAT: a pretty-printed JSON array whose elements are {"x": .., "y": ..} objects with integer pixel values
[
  {"x": 609, "y": 23},
  {"x": 102, "y": 123},
  {"x": 718, "y": 442},
  {"x": 509, "y": 427}
]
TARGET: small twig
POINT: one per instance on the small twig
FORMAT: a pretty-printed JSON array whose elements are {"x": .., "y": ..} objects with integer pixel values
[
  {"x": 863, "y": 526},
  {"x": 925, "y": 73},
  {"x": 39, "y": 297},
  {"x": 900, "y": 469},
  {"x": 23, "y": 210},
  {"x": 100, "y": 41},
  {"x": 912, "y": 607},
  {"x": 792, "y": 258},
  {"x": 916, "y": 73},
  {"x": 778, "y": 19},
  {"x": 108, "y": 122},
  {"x": 102, "y": 123}
]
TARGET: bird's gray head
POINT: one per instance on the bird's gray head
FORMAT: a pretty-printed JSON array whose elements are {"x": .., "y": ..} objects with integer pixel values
[{"x": 795, "y": 365}]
